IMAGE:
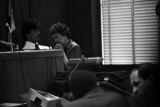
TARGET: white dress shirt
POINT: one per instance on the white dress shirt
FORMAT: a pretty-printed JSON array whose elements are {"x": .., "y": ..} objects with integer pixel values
[{"x": 29, "y": 46}]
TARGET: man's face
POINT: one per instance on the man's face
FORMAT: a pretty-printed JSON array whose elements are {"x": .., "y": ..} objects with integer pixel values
[
  {"x": 140, "y": 86},
  {"x": 60, "y": 39},
  {"x": 34, "y": 35}
]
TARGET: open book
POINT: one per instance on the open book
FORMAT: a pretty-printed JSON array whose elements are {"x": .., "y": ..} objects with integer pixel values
[{"x": 44, "y": 99}]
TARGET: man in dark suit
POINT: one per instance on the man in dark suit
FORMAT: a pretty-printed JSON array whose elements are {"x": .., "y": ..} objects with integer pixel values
[{"x": 145, "y": 79}]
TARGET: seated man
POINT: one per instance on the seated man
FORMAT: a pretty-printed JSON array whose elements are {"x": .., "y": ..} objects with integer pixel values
[
  {"x": 145, "y": 82},
  {"x": 84, "y": 87},
  {"x": 62, "y": 36},
  {"x": 30, "y": 33}
]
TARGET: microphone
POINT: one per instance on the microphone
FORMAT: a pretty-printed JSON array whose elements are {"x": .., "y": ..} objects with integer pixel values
[
  {"x": 9, "y": 37},
  {"x": 7, "y": 43},
  {"x": 82, "y": 59},
  {"x": 7, "y": 25}
]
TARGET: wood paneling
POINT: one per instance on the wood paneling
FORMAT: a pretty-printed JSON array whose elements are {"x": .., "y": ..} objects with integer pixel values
[{"x": 20, "y": 71}]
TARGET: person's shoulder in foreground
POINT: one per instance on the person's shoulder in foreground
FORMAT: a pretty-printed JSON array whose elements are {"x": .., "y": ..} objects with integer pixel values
[{"x": 84, "y": 88}]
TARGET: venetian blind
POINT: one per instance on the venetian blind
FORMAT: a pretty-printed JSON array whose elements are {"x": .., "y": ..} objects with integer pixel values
[
  {"x": 129, "y": 31},
  {"x": 146, "y": 31}
]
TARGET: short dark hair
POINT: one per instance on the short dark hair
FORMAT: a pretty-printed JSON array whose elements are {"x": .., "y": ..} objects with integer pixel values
[
  {"x": 148, "y": 71},
  {"x": 60, "y": 28},
  {"x": 28, "y": 25},
  {"x": 145, "y": 70},
  {"x": 82, "y": 82}
]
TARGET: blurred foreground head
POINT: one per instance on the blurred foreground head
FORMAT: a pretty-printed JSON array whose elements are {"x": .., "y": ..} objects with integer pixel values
[
  {"x": 81, "y": 83},
  {"x": 144, "y": 79}
]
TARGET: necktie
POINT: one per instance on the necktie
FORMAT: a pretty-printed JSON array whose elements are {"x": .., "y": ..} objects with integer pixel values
[{"x": 37, "y": 46}]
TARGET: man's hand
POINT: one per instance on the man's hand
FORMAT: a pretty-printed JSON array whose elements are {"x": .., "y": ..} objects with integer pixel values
[{"x": 58, "y": 46}]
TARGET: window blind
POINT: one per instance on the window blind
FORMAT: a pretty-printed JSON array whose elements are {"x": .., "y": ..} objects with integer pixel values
[
  {"x": 146, "y": 31},
  {"x": 129, "y": 31}
]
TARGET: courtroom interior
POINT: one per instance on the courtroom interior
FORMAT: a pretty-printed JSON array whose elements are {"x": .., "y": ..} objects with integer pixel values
[{"x": 44, "y": 44}]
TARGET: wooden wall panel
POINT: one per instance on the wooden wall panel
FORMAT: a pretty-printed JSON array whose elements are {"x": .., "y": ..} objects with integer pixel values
[{"x": 20, "y": 71}]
